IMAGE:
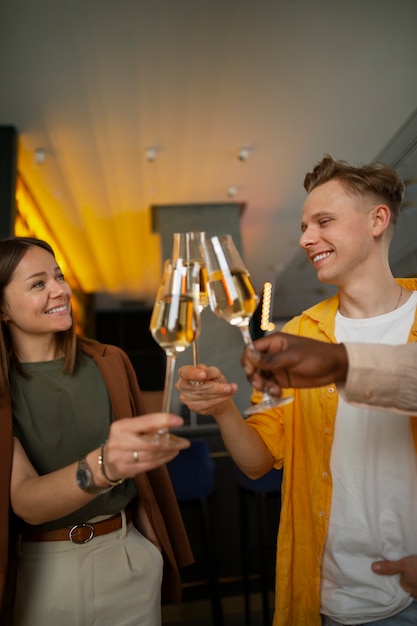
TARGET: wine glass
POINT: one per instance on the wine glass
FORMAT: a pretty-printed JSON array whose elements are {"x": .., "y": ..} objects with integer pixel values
[
  {"x": 175, "y": 324},
  {"x": 233, "y": 298},
  {"x": 189, "y": 246}
]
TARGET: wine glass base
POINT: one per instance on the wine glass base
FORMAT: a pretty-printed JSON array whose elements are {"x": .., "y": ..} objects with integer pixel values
[
  {"x": 166, "y": 439},
  {"x": 265, "y": 405}
]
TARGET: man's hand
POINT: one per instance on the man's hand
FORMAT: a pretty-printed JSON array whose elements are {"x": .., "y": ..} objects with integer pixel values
[
  {"x": 283, "y": 360},
  {"x": 406, "y": 567},
  {"x": 204, "y": 389}
]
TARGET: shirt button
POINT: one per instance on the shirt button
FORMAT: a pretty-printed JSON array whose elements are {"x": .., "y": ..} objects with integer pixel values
[
  {"x": 322, "y": 514},
  {"x": 327, "y": 430},
  {"x": 331, "y": 390},
  {"x": 325, "y": 474}
]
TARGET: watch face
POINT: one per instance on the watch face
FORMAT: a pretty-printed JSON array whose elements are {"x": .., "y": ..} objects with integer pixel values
[{"x": 83, "y": 478}]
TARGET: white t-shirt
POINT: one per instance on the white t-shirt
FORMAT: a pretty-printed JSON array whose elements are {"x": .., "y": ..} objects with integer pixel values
[{"x": 374, "y": 504}]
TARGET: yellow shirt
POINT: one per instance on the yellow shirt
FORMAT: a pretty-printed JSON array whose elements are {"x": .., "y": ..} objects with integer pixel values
[{"x": 299, "y": 436}]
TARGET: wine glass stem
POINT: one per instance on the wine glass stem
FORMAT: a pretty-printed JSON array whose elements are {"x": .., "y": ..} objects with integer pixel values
[
  {"x": 169, "y": 379},
  {"x": 195, "y": 352},
  {"x": 246, "y": 335},
  {"x": 196, "y": 360}
]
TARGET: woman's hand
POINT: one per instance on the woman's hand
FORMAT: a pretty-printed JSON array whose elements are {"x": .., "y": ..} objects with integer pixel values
[
  {"x": 204, "y": 389},
  {"x": 128, "y": 453},
  {"x": 38, "y": 499}
]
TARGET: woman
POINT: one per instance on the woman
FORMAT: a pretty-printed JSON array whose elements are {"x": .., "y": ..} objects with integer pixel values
[{"x": 78, "y": 467}]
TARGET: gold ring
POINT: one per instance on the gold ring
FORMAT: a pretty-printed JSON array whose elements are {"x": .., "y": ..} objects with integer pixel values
[
  {"x": 135, "y": 455},
  {"x": 196, "y": 383}
]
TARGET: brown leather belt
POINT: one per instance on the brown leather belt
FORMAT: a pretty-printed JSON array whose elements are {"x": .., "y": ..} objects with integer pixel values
[{"x": 81, "y": 533}]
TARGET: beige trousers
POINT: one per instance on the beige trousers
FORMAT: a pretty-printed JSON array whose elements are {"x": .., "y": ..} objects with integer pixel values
[{"x": 113, "y": 580}]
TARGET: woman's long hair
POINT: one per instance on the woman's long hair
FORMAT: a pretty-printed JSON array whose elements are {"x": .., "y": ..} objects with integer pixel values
[{"x": 11, "y": 253}]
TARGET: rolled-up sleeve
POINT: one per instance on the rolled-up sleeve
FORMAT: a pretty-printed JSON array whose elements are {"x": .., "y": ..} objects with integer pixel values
[{"x": 382, "y": 375}]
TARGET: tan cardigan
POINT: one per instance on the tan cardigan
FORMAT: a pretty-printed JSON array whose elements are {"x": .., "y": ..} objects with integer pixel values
[
  {"x": 156, "y": 508},
  {"x": 382, "y": 375}
]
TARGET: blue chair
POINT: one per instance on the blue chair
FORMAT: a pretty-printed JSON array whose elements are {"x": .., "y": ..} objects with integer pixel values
[
  {"x": 258, "y": 490},
  {"x": 192, "y": 474}
]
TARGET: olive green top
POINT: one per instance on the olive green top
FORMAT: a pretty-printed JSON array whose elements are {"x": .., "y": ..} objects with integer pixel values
[{"x": 58, "y": 419}]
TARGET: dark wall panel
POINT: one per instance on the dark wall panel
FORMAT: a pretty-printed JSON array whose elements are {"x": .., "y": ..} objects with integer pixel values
[
  {"x": 8, "y": 168},
  {"x": 130, "y": 331}
]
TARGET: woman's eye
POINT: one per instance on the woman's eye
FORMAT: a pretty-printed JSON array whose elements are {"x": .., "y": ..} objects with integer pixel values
[
  {"x": 39, "y": 283},
  {"x": 61, "y": 277}
]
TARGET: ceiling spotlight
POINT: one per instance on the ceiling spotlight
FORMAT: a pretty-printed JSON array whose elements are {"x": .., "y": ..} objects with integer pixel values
[
  {"x": 40, "y": 155},
  {"x": 151, "y": 154},
  {"x": 243, "y": 154},
  {"x": 232, "y": 191}
]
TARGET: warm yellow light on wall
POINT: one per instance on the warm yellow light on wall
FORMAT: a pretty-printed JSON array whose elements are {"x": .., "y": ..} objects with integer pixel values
[
  {"x": 30, "y": 223},
  {"x": 108, "y": 251}
]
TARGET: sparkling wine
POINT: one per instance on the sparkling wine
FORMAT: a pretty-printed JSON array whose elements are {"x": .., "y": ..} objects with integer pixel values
[
  {"x": 203, "y": 297},
  {"x": 233, "y": 297},
  {"x": 204, "y": 287},
  {"x": 174, "y": 323}
]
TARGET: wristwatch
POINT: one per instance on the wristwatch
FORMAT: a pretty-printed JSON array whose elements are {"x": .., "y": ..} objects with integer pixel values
[{"x": 85, "y": 480}]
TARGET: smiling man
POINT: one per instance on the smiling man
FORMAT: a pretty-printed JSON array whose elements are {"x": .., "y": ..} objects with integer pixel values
[
  {"x": 348, "y": 221},
  {"x": 350, "y": 473}
]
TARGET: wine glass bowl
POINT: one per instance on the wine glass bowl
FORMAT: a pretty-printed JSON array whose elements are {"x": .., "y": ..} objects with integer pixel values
[
  {"x": 233, "y": 298},
  {"x": 189, "y": 247},
  {"x": 175, "y": 325}
]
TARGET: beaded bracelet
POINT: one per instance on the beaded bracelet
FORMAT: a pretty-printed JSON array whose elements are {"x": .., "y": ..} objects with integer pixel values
[{"x": 111, "y": 482}]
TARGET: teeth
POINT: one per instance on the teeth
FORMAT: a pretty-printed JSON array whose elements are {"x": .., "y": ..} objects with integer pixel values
[
  {"x": 319, "y": 257},
  {"x": 57, "y": 309}
]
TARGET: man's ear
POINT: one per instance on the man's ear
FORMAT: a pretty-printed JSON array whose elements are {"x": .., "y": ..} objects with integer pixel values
[{"x": 381, "y": 216}]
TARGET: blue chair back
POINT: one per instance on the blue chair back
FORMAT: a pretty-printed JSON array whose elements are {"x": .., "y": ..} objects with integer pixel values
[
  {"x": 269, "y": 483},
  {"x": 192, "y": 472}
]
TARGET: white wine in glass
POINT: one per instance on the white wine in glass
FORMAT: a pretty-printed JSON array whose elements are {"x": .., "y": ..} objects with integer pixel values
[
  {"x": 189, "y": 247},
  {"x": 175, "y": 324},
  {"x": 233, "y": 297}
]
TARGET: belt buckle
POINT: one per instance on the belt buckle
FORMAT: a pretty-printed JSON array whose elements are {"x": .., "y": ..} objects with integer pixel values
[{"x": 76, "y": 527}]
